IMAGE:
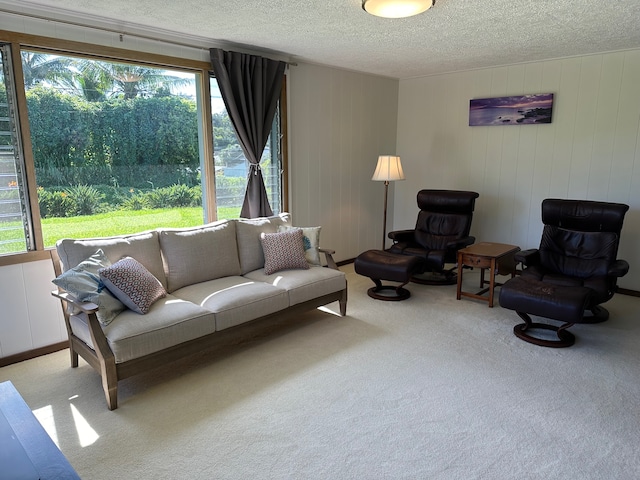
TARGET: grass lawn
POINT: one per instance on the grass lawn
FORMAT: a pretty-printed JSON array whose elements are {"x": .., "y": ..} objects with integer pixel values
[
  {"x": 117, "y": 223},
  {"x": 126, "y": 221}
]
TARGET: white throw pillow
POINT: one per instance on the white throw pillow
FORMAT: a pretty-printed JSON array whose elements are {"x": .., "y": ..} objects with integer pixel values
[{"x": 310, "y": 241}]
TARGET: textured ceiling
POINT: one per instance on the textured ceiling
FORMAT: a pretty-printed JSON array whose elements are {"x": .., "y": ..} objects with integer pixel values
[{"x": 453, "y": 35}]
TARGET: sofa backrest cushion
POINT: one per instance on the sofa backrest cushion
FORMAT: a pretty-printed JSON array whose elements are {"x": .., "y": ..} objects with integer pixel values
[
  {"x": 198, "y": 254},
  {"x": 249, "y": 246},
  {"x": 144, "y": 247}
]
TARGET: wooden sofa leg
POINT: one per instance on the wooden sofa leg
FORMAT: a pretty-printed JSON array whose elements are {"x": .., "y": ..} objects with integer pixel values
[
  {"x": 111, "y": 395},
  {"x": 74, "y": 357},
  {"x": 110, "y": 384}
]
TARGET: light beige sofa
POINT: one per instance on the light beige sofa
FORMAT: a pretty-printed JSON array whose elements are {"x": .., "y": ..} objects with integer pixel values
[{"x": 215, "y": 282}]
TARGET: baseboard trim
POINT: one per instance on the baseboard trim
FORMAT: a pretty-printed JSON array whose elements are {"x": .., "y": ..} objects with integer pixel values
[
  {"x": 36, "y": 352},
  {"x": 345, "y": 262},
  {"x": 631, "y": 293}
]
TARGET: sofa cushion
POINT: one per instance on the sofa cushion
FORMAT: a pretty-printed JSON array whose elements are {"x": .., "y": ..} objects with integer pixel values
[
  {"x": 303, "y": 285},
  {"x": 144, "y": 247},
  {"x": 310, "y": 241},
  {"x": 84, "y": 284},
  {"x": 235, "y": 300},
  {"x": 198, "y": 254},
  {"x": 170, "y": 321},
  {"x": 132, "y": 284},
  {"x": 248, "y": 233},
  {"x": 283, "y": 251}
]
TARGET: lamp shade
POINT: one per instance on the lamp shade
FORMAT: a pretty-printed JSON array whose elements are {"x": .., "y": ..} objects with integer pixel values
[
  {"x": 389, "y": 169},
  {"x": 396, "y": 8}
]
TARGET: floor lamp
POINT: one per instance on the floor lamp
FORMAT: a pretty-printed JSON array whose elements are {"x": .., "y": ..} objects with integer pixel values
[{"x": 389, "y": 169}]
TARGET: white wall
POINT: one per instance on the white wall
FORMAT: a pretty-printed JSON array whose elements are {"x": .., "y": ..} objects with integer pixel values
[
  {"x": 30, "y": 317},
  {"x": 591, "y": 150},
  {"x": 339, "y": 122}
]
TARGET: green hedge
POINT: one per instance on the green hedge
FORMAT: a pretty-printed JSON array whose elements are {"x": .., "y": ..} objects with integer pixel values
[{"x": 138, "y": 142}]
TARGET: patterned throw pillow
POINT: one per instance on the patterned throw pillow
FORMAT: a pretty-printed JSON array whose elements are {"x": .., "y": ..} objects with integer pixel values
[
  {"x": 310, "y": 240},
  {"x": 84, "y": 284},
  {"x": 283, "y": 251},
  {"x": 133, "y": 284}
]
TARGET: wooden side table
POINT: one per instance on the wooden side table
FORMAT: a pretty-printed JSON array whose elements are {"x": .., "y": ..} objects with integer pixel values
[{"x": 497, "y": 257}]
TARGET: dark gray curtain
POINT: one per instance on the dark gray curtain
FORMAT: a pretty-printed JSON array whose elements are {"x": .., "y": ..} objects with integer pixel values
[{"x": 250, "y": 88}]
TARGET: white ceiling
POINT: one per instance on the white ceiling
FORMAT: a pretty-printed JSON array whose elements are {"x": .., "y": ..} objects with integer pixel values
[{"x": 453, "y": 35}]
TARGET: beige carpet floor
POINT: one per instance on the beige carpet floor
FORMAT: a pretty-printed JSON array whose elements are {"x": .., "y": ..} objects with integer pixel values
[{"x": 427, "y": 388}]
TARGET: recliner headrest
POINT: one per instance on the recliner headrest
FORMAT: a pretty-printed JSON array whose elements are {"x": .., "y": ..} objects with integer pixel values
[
  {"x": 447, "y": 201},
  {"x": 584, "y": 215}
]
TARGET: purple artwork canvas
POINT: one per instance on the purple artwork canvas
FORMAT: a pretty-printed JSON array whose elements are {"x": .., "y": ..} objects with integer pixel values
[{"x": 514, "y": 110}]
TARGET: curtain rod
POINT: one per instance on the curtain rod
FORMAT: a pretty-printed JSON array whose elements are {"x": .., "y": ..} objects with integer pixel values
[{"x": 120, "y": 33}]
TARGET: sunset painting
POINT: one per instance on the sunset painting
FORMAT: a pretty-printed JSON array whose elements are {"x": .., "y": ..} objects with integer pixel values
[{"x": 516, "y": 110}]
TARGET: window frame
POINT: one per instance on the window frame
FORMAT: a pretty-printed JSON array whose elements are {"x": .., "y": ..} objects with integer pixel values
[{"x": 19, "y": 41}]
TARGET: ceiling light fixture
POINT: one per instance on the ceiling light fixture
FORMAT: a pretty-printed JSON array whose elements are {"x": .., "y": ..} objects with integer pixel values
[{"x": 396, "y": 8}]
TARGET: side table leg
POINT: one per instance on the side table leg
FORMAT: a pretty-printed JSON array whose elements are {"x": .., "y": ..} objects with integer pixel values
[
  {"x": 492, "y": 280},
  {"x": 459, "y": 288}
]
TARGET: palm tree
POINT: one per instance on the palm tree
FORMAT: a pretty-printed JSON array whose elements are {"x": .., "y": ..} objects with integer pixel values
[
  {"x": 84, "y": 80},
  {"x": 131, "y": 81},
  {"x": 97, "y": 80},
  {"x": 40, "y": 67}
]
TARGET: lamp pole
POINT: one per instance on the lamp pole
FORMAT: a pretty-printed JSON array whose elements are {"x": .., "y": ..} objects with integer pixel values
[{"x": 384, "y": 224}]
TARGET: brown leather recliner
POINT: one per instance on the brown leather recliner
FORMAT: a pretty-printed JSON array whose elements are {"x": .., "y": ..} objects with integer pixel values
[
  {"x": 574, "y": 270},
  {"x": 442, "y": 228}
]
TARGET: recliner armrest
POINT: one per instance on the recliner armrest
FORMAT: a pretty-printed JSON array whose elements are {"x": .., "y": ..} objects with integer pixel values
[
  {"x": 528, "y": 257},
  {"x": 619, "y": 268},
  {"x": 401, "y": 235}
]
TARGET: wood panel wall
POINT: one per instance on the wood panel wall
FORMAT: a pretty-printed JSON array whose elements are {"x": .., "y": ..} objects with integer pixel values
[
  {"x": 339, "y": 122},
  {"x": 591, "y": 150}
]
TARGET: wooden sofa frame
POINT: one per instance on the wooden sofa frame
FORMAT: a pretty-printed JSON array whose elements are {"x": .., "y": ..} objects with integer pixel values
[{"x": 103, "y": 360}]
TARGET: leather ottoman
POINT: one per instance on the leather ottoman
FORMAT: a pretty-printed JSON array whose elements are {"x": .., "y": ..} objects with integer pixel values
[
  {"x": 557, "y": 302},
  {"x": 381, "y": 265}
]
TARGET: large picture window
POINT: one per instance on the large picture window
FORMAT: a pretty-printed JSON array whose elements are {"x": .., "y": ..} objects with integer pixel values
[{"x": 117, "y": 147}]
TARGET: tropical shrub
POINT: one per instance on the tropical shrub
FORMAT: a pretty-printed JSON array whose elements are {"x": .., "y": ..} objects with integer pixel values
[
  {"x": 86, "y": 198},
  {"x": 138, "y": 201},
  {"x": 55, "y": 203}
]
